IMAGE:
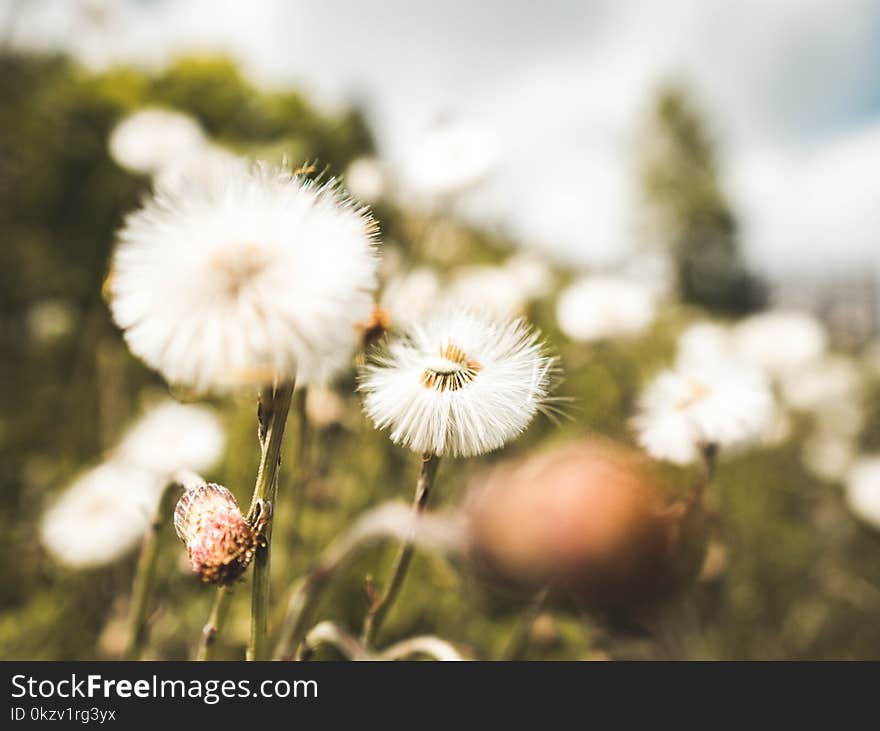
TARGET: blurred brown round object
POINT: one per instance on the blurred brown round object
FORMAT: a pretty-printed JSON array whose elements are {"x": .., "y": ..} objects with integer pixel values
[{"x": 590, "y": 518}]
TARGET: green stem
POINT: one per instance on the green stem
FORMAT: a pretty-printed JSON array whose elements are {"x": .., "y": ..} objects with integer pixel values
[
  {"x": 145, "y": 574},
  {"x": 519, "y": 642},
  {"x": 379, "y": 608},
  {"x": 274, "y": 406},
  {"x": 219, "y": 611}
]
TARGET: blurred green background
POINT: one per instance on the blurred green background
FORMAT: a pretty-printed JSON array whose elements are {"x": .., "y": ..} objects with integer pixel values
[{"x": 794, "y": 574}]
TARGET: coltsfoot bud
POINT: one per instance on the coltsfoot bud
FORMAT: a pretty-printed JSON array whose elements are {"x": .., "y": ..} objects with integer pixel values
[{"x": 220, "y": 542}]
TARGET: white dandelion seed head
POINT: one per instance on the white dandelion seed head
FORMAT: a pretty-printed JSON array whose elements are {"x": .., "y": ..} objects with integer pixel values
[
  {"x": 174, "y": 436},
  {"x": 780, "y": 341},
  {"x": 600, "y": 307},
  {"x": 460, "y": 384},
  {"x": 863, "y": 490},
  {"x": 255, "y": 275},
  {"x": 101, "y": 516},
  {"x": 152, "y": 138},
  {"x": 684, "y": 409}
]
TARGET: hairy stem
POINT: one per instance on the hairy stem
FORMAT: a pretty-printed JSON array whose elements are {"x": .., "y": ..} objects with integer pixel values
[
  {"x": 145, "y": 574},
  {"x": 380, "y": 607},
  {"x": 274, "y": 406}
]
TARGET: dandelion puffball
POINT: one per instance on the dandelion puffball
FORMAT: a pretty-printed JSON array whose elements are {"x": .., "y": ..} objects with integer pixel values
[
  {"x": 780, "y": 341},
  {"x": 600, "y": 307},
  {"x": 255, "y": 274},
  {"x": 101, "y": 516},
  {"x": 459, "y": 384},
  {"x": 683, "y": 410},
  {"x": 150, "y": 139},
  {"x": 173, "y": 436},
  {"x": 863, "y": 490}
]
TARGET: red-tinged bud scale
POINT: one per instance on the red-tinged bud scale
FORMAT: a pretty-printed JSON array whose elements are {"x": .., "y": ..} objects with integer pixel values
[{"x": 220, "y": 542}]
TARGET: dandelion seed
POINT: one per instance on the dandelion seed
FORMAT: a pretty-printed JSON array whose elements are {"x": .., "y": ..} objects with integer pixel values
[
  {"x": 459, "y": 384},
  {"x": 686, "y": 409},
  {"x": 220, "y": 542},
  {"x": 255, "y": 275}
]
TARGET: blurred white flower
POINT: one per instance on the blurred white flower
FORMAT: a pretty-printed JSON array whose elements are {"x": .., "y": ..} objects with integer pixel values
[
  {"x": 152, "y": 138},
  {"x": 863, "y": 490},
  {"x": 780, "y": 341},
  {"x": 600, "y": 307},
  {"x": 255, "y": 275},
  {"x": 532, "y": 272},
  {"x": 324, "y": 406},
  {"x": 686, "y": 409},
  {"x": 101, "y": 516},
  {"x": 703, "y": 344},
  {"x": 821, "y": 384},
  {"x": 172, "y": 437},
  {"x": 493, "y": 290},
  {"x": 459, "y": 384},
  {"x": 828, "y": 456},
  {"x": 409, "y": 297},
  {"x": 451, "y": 157},
  {"x": 365, "y": 179}
]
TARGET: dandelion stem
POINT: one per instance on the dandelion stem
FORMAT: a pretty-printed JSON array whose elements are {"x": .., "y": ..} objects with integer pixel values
[
  {"x": 519, "y": 642},
  {"x": 216, "y": 620},
  {"x": 379, "y": 608},
  {"x": 274, "y": 406},
  {"x": 709, "y": 458},
  {"x": 145, "y": 574}
]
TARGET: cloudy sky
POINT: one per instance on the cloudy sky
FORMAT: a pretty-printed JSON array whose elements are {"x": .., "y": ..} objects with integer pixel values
[{"x": 792, "y": 87}]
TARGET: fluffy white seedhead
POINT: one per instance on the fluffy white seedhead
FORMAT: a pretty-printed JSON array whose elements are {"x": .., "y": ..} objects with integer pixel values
[
  {"x": 459, "y": 384},
  {"x": 101, "y": 516},
  {"x": 600, "y": 307},
  {"x": 173, "y": 436},
  {"x": 253, "y": 275},
  {"x": 685, "y": 409}
]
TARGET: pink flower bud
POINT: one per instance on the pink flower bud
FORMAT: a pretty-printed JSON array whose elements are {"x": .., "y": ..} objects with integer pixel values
[{"x": 220, "y": 542}]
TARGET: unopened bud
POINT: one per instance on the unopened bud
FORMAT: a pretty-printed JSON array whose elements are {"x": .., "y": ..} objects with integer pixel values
[{"x": 220, "y": 542}]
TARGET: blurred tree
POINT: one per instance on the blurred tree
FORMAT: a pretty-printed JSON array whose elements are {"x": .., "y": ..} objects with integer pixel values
[{"x": 688, "y": 211}]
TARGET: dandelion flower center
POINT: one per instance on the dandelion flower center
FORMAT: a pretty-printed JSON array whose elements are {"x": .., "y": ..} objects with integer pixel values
[
  {"x": 452, "y": 369},
  {"x": 236, "y": 266}
]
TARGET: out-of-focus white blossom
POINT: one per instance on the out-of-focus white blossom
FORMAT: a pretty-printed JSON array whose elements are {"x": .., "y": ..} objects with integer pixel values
[
  {"x": 821, "y": 384},
  {"x": 451, "y": 157},
  {"x": 601, "y": 307},
  {"x": 365, "y": 179},
  {"x": 153, "y": 138},
  {"x": 863, "y": 490},
  {"x": 173, "y": 436},
  {"x": 780, "y": 341},
  {"x": 409, "y": 297},
  {"x": 703, "y": 344},
  {"x": 199, "y": 168},
  {"x": 101, "y": 516},
  {"x": 683, "y": 410}
]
